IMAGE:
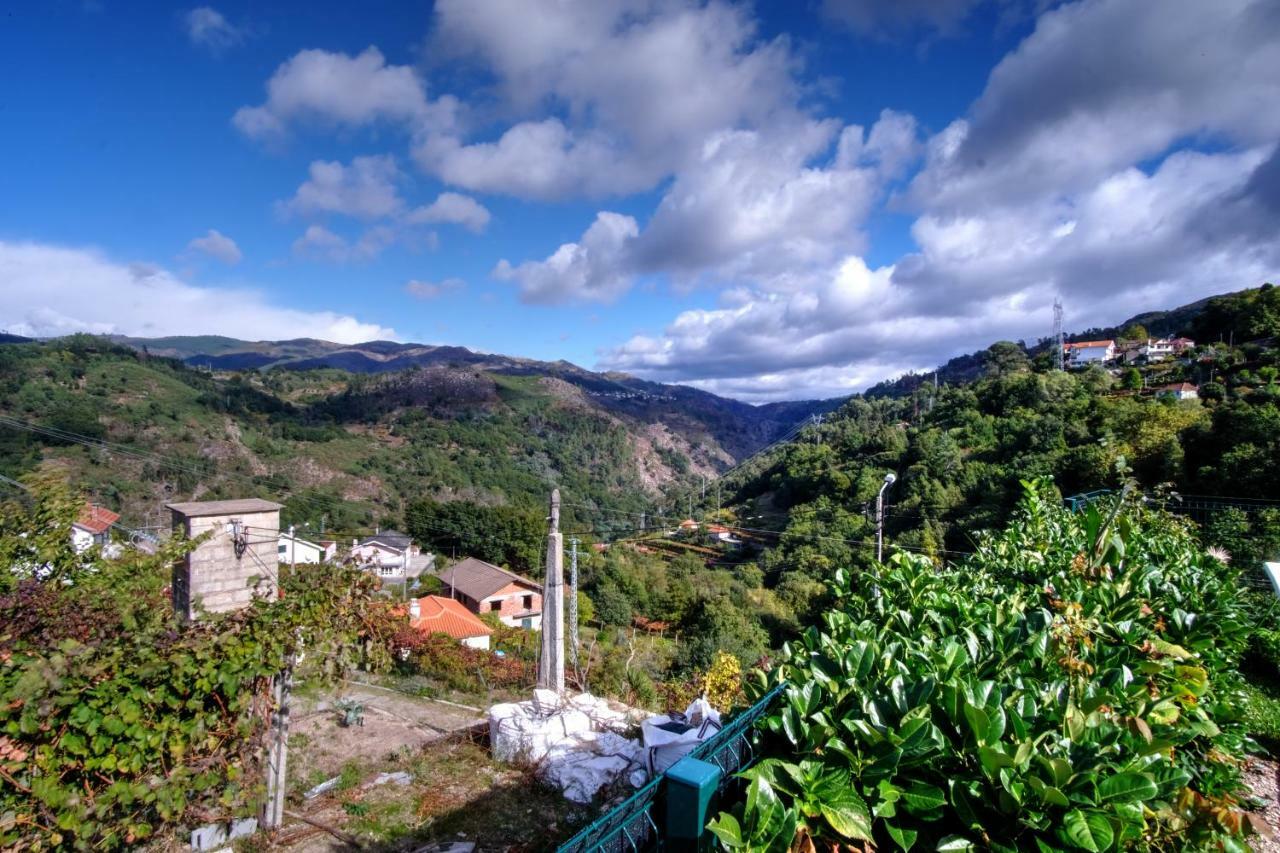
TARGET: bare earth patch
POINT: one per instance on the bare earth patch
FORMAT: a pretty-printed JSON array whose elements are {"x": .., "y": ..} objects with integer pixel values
[
  {"x": 455, "y": 791},
  {"x": 1263, "y": 778}
]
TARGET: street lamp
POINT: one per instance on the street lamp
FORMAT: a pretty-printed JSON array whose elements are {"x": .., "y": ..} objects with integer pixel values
[{"x": 889, "y": 480}]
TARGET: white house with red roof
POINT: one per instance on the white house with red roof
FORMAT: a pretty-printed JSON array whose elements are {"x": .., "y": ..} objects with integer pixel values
[
  {"x": 92, "y": 527},
  {"x": 1080, "y": 353},
  {"x": 434, "y": 614}
]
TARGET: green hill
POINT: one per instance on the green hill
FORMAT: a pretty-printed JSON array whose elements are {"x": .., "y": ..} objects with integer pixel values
[{"x": 350, "y": 450}]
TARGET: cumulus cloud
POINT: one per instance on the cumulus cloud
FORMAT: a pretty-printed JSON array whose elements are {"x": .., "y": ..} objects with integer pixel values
[
  {"x": 217, "y": 245},
  {"x": 644, "y": 83},
  {"x": 319, "y": 243},
  {"x": 338, "y": 90},
  {"x": 1121, "y": 158},
  {"x": 1101, "y": 85},
  {"x": 759, "y": 207},
  {"x": 209, "y": 28},
  {"x": 591, "y": 269},
  {"x": 433, "y": 289},
  {"x": 453, "y": 208},
  {"x": 50, "y": 290},
  {"x": 367, "y": 189}
]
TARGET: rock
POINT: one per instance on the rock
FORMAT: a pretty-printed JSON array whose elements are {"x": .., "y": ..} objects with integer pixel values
[
  {"x": 324, "y": 787},
  {"x": 211, "y": 836},
  {"x": 399, "y": 777},
  {"x": 243, "y": 827}
]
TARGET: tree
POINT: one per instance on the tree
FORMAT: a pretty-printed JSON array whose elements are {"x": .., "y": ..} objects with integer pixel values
[
  {"x": 1215, "y": 391},
  {"x": 1134, "y": 332},
  {"x": 1131, "y": 380}
]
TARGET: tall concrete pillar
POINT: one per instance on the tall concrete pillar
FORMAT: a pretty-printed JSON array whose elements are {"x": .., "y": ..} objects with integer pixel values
[{"x": 551, "y": 663}]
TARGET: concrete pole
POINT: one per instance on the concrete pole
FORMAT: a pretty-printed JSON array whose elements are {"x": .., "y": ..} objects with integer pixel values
[
  {"x": 278, "y": 751},
  {"x": 551, "y": 663},
  {"x": 573, "y": 606}
]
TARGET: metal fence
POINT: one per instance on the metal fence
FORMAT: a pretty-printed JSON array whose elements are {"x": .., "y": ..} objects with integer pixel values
[{"x": 635, "y": 824}]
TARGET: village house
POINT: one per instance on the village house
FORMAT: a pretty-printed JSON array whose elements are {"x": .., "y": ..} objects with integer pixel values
[
  {"x": 295, "y": 549},
  {"x": 392, "y": 555},
  {"x": 1179, "y": 391},
  {"x": 92, "y": 527},
  {"x": 485, "y": 588},
  {"x": 1082, "y": 353},
  {"x": 434, "y": 614}
]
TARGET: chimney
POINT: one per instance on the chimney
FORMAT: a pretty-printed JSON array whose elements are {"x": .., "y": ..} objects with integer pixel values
[{"x": 415, "y": 609}]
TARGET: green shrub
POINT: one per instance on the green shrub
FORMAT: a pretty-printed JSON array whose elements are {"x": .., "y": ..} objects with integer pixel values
[{"x": 1070, "y": 686}]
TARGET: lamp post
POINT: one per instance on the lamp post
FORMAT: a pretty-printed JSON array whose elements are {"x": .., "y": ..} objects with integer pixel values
[{"x": 889, "y": 480}]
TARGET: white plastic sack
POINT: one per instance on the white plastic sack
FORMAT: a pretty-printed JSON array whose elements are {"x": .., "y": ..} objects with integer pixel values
[{"x": 668, "y": 738}]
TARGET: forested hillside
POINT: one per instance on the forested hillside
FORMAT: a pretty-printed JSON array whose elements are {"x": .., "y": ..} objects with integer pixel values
[
  {"x": 961, "y": 454},
  {"x": 348, "y": 451}
]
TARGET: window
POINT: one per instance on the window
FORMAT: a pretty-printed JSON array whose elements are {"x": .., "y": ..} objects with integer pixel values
[
  {"x": 283, "y": 548},
  {"x": 495, "y": 606},
  {"x": 528, "y": 602}
]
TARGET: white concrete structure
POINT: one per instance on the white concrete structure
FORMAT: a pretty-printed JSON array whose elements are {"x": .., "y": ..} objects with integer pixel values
[
  {"x": 238, "y": 563},
  {"x": 551, "y": 661},
  {"x": 293, "y": 549},
  {"x": 92, "y": 527},
  {"x": 389, "y": 553}
]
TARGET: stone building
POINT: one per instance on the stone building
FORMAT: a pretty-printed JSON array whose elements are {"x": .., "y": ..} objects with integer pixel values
[{"x": 238, "y": 561}]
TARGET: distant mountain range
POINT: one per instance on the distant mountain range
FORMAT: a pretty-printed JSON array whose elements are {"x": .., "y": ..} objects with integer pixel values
[{"x": 738, "y": 427}]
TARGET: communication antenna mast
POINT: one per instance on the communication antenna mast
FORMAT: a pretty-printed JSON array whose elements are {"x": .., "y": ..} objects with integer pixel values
[{"x": 1058, "y": 338}]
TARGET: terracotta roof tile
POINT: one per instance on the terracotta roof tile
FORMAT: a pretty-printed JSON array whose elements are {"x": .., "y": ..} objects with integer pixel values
[
  {"x": 446, "y": 616},
  {"x": 96, "y": 519}
]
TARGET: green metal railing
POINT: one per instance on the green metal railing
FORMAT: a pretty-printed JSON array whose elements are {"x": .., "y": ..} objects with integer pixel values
[{"x": 633, "y": 825}]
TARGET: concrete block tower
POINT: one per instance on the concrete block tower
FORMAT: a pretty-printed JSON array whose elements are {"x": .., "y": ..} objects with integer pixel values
[{"x": 238, "y": 562}]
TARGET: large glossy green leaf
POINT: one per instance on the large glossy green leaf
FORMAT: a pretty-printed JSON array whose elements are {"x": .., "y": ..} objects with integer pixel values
[
  {"x": 726, "y": 828},
  {"x": 1087, "y": 830},
  {"x": 1127, "y": 787},
  {"x": 904, "y": 838},
  {"x": 848, "y": 815}
]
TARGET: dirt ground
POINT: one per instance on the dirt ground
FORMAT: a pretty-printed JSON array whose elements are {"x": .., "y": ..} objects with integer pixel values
[
  {"x": 1263, "y": 778},
  {"x": 454, "y": 790}
]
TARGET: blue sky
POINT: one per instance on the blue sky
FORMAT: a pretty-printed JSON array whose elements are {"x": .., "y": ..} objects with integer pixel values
[{"x": 771, "y": 201}]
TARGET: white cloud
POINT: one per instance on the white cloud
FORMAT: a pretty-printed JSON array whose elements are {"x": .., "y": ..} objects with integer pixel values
[
  {"x": 433, "y": 289},
  {"x": 53, "y": 290},
  {"x": 336, "y": 89},
  {"x": 215, "y": 244},
  {"x": 452, "y": 208},
  {"x": 209, "y": 28},
  {"x": 754, "y": 207},
  {"x": 589, "y": 269},
  {"x": 319, "y": 243},
  {"x": 642, "y": 83},
  {"x": 1104, "y": 84},
  {"x": 367, "y": 189}
]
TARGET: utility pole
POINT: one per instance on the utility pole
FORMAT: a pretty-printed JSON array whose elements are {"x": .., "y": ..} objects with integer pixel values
[
  {"x": 551, "y": 662},
  {"x": 889, "y": 480},
  {"x": 642, "y": 522},
  {"x": 1060, "y": 358},
  {"x": 573, "y": 607}
]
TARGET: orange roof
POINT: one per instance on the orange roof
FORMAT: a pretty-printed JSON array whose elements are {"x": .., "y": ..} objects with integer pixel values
[
  {"x": 446, "y": 616},
  {"x": 1082, "y": 344},
  {"x": 96, "y": 519},
  {"x": 717, "y": 528},
  {"x": 688, "y": 523}
]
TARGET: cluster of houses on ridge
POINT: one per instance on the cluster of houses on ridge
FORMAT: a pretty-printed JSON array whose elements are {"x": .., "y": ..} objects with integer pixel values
[
  {"x": 1084, "y": 353},
  {"x": 1111, "y": 353}
]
